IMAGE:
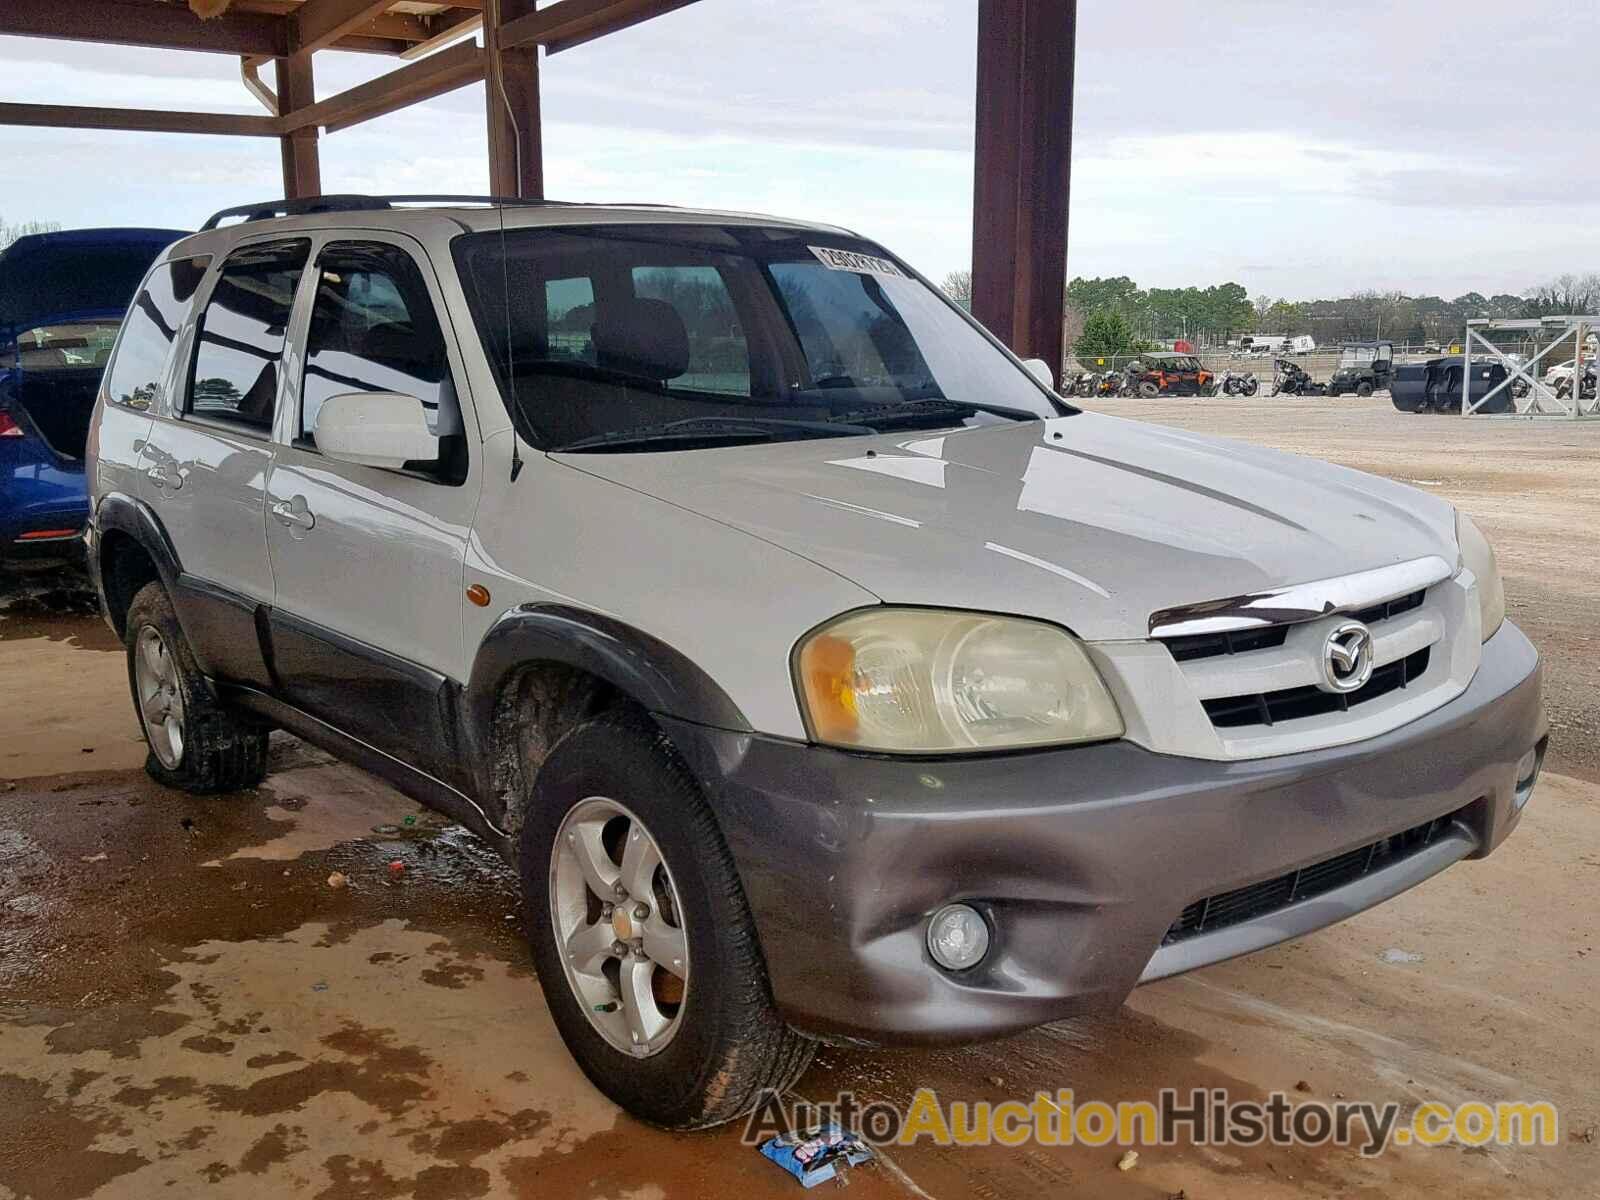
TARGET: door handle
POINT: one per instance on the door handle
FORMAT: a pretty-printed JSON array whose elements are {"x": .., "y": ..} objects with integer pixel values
[{"x": 294, "y": 515}]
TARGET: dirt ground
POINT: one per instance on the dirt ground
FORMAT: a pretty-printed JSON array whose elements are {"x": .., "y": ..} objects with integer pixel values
[{"x": 187, "y": 1008}]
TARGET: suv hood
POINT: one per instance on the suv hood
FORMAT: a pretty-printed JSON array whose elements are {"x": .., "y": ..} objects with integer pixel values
[
  {"x": 1088, "y": 521},
  {"x": 50, "y": 278}
]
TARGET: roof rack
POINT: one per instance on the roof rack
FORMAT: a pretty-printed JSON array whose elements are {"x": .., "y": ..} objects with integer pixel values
[{"x": 352, "y": 202}]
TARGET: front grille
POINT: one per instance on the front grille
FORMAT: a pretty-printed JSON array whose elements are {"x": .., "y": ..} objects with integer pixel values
[
  {"x": 1291, "y": 704},
  {"x": 1390, "y": 608},
  {"x": 1209, "y": 645},
  {"x": 1191, "y": 646},
  {"x": 1259, "y": 899}
]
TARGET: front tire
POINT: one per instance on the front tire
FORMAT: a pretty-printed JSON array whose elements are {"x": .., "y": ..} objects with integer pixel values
[
  {"x": 196, "y": 745},
  {"x": 1363, "y": 390},
  {"x": 666, "y": 1007},
  {"x": 1148, "y": 390}
]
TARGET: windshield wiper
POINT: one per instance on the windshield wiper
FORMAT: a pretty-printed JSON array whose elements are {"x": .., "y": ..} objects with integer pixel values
[
  {"x": 699, "y": 428},
  {"x": 937, "y": 406}
]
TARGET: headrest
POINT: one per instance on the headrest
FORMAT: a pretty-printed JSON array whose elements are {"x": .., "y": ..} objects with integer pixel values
[{"x": 642, "y": 337}]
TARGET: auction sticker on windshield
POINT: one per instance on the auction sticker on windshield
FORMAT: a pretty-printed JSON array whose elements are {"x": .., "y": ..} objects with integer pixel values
[{"x": 860, "y": 264}]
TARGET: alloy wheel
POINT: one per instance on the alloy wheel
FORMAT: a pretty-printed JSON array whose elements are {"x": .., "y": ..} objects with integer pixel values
[
  {"x": 619, "y": 926},
  {"x": 160, "y": 696}
]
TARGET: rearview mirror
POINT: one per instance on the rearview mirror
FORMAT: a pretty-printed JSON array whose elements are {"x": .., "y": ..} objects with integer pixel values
[
  {"x": 1040, "y": 370},
  {"x": 375, "y": 429}
]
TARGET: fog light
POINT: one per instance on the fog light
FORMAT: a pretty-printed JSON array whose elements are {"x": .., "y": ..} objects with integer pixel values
[
  {"x": 1527, "y": 774},
  {"x": 958, "y": 937}
]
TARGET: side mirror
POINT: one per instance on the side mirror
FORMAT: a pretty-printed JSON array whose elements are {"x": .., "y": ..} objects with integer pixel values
[
  {"x": 1040, "y": 370},
  {"x": 375, "y": 429}
]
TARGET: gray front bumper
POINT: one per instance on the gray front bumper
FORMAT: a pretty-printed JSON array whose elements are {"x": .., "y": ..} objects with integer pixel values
[{"x": 1081, "y": 858}]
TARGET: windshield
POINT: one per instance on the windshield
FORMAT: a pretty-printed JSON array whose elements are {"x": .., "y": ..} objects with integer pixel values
[
  {"x": 1357, "y": 356},
  {"x": 62, "y": 347},
  {"x": 627, "y": 338}
]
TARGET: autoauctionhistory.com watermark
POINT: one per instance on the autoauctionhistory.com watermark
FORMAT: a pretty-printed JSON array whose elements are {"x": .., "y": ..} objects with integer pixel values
[{"x": 1199, "y": 1116}]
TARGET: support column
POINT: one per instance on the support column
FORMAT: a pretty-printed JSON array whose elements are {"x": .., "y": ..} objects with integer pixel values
[
  {"x": 1022, "y": 173},
  {"x": 511, "y": 95},
  {"x": 302, "y": 168}
]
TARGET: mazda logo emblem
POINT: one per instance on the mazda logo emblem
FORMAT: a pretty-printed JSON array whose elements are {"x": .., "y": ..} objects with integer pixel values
[{"x": 1347, "y": 657}]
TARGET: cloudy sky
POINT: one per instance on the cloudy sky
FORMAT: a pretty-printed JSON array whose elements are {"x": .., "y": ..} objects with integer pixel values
[{"x": 1303, "y": 149}]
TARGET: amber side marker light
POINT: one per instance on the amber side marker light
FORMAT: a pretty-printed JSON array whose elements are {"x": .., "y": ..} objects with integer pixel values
[
  {"x": 827, "y": 673},
  {"x": 479, "y": 595}
]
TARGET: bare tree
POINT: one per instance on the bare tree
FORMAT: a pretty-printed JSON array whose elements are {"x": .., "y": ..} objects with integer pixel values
[
  {"x": 1566, "y": 294},
  {"x": 958, "y": 286},
  {"x": 10, "y": 233}
]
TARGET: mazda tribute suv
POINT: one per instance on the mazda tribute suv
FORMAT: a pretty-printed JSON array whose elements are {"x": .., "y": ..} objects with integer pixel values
[{"x": 824, "y": 675}]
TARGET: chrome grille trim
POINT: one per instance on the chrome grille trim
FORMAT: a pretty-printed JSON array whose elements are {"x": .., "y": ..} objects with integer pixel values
[{"x": 1300, "y": 602}]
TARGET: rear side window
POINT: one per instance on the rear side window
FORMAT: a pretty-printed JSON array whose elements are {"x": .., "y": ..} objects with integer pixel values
[
  {"x": 240, "y": 342},
  {"x": 149, "y": 330},
  {"x": 374, "y": 329}
]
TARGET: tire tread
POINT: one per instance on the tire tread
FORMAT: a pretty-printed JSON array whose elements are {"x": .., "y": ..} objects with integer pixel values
[
  {"x": 223, "y": 751},
  {"x": 756, "y": 1050}
]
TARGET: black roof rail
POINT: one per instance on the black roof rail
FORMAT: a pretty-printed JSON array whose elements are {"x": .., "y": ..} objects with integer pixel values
[{"x": 351, "y": 202}]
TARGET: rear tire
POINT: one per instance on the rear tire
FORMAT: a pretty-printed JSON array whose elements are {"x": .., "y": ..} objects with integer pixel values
[
  {"x": 1363, "y": 390},
  {"x": 724, "y": 1043},
  {"x": 196, "y": 745}
]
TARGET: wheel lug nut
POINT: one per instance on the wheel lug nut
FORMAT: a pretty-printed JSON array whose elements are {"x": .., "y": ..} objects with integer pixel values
[
  {"x": 619, "y": 948},
  {"x": 606, "y": 910},
  {"x": 641, "y": 911}
]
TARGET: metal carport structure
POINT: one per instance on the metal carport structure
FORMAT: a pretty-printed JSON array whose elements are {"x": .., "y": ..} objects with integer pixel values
[{"x": 1023, "y": 137}]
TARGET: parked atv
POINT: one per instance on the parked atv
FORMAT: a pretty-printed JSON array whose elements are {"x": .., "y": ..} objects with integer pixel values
[
  {"x": 1086, "y": 385},
  {"x": 1291, "y": 379},
  {"x": 1364, "y": 368},
  {"x": 1170, "y": 375}
]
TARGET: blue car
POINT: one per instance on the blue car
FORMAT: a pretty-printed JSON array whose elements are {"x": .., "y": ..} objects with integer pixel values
[{"x": 62, "y": 300}]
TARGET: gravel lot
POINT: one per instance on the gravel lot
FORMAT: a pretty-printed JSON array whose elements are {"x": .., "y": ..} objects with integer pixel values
[{"x": 187, "y": 1008}]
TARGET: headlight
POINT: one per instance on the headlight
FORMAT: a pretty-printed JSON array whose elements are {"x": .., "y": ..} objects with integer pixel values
[
  {"x": 923, "y": 681},
  {"x": 1477, "y": 556}
]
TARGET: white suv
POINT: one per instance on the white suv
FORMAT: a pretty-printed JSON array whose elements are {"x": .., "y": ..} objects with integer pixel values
[{"x": 825, "y": 675}]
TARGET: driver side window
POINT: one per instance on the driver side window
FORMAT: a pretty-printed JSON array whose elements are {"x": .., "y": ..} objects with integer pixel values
[{"x": 374, "y": 329}]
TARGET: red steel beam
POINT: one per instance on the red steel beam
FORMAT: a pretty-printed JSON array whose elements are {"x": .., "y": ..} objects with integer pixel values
[
  {"x": 135, "y": 120},
  {"x": 302, "y": 160},
  {"x": 132, "y": 23},
  {"x": 422, "y": 80},
  {"x": 511, "y": 101},
  {"x": 319, "y": 23},
  {"x": 569, "y": 23},
  {"x": 1022, "y": 170}
]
